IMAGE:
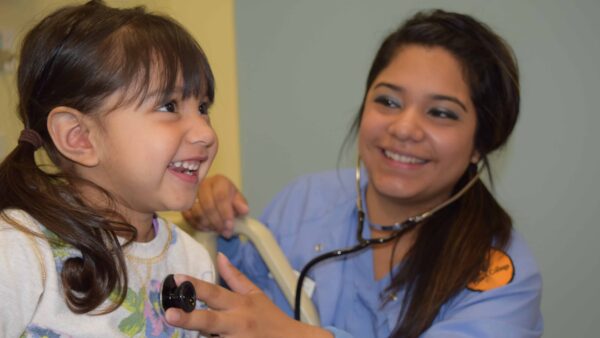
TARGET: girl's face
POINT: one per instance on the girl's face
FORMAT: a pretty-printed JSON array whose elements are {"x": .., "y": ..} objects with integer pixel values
[
  {"x": 153, "y": 156},
  {"x": 416, "y": 136}
]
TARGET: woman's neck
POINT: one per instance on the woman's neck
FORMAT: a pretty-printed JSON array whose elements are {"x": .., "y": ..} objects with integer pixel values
[
  {"x": 385, "y": 210},
  {"x": 388, "y": 211}
]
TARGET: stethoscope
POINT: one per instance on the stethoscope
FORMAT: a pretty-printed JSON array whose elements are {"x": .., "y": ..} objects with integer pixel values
[{"x": 399, "y": 229}]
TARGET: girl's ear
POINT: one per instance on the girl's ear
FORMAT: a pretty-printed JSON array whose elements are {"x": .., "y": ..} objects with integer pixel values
[{"x": 70, "y": 132}]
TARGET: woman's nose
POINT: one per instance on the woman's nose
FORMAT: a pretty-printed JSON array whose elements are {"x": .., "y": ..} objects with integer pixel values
[{"x": 407, "y": 125}]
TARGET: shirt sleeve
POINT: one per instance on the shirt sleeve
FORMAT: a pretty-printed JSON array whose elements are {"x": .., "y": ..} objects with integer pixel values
[
  {"x": 337, "y": 333},
  {"x": 512, "y": 310},
  {"x": 244, "y": 256},
  {"x": 21, "y": 279}
]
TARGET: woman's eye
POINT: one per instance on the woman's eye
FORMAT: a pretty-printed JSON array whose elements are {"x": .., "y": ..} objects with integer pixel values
[
  {"x": 387, "y": 101},
  {"x": 443, "y": 113},
  {"x": 169, "y": 107},
  {"x": 203, "y": 109}
]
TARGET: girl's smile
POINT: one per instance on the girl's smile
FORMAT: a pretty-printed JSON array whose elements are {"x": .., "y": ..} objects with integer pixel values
[{"x": 187, "y": 170}]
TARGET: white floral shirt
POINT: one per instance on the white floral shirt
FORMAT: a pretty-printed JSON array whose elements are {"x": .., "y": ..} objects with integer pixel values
[{"x": 32, "y": 299}]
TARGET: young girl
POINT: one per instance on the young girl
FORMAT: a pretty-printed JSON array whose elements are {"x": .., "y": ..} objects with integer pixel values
[{"x": 118, "y": 98}]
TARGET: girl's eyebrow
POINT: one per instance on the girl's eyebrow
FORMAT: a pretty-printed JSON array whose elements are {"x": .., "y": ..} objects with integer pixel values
[
  {"x": 160, "y": 93},
  {"x": 155, "y": 96},
  {"x": 439, "y": 97}
]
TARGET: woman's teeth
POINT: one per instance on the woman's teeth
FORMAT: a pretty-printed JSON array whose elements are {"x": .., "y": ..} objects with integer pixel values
[{"x": 403, "y": 158}]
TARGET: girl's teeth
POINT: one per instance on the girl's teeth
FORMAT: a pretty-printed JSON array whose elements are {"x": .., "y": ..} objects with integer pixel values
[{"x": 187, "y": 165}]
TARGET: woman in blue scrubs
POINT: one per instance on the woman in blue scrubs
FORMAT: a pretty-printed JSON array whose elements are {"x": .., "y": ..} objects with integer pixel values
[{"x": 442, "y": 95}]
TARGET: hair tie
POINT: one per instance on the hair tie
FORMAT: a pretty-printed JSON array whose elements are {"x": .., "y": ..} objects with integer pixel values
[{"x": 32, "y": 137}]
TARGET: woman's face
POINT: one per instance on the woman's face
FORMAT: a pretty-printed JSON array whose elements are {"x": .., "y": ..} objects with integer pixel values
[{"x": 416, "y": 136}]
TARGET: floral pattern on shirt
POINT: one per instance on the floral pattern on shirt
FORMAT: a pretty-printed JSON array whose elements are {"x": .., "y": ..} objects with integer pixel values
[
  {"x": 146, "y": 313},
  {"x": 34, "y": 331},
  {"x": 60, "y": 249},
  {"x": 144, "y": 316}
]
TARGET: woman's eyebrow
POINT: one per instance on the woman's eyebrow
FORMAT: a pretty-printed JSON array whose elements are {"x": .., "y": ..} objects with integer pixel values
[
  {"x": 393, "y": 87},
  {"x": 451, "y": 99}
]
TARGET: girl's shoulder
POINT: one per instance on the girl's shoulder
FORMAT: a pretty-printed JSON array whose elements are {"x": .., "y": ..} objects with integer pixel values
[
  {"x": 26, "y": 262},
  {"x": 19, "y": 225},
  {"x": 18, "y": 220}
]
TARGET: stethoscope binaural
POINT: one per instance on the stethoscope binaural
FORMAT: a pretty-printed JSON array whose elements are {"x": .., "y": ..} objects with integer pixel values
[{"x": 398, "y": 229}]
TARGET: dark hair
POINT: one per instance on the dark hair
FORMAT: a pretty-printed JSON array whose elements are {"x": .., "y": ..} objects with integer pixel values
[
  {"x": 77, "y": 57},
  {"x": 452, "y": 248}
]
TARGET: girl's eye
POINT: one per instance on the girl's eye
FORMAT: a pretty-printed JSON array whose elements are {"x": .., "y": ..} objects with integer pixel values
[
  {"x": 387, "y": 101},
  {"x": 169, "y": 107},
  {"x": 443, "y": 114},
  {"x": 203, "y": 109}
]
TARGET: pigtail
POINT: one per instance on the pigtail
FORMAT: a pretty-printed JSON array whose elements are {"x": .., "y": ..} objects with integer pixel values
[
  {"x": 87, "y": 280},
  {"x": 20, "y": 176}
]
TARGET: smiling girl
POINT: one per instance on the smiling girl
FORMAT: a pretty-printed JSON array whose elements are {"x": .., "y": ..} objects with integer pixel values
[{"x": 118, "y": 99}]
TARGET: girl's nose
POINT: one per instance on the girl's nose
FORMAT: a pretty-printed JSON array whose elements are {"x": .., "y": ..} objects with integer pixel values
[
  {"x": 407, "y": 125},
  {"x": 200, "y": 131}
]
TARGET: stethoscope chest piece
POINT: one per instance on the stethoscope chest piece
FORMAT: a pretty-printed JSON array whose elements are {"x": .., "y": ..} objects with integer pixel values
[{"x": 182, "y": 296}]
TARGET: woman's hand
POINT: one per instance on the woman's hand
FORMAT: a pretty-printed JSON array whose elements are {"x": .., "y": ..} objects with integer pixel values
[
  {"x": 243, "y": 312},
  {"x": 218, "y": 202}
]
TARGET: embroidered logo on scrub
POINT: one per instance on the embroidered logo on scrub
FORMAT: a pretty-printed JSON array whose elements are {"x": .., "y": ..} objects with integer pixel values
[{"x": 500, "y": 272}]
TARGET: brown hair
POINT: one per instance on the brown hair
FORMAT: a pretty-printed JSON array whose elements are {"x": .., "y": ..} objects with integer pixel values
[
  {"x": 76, "y": 57},
  {"x": 452, "y": 248}
]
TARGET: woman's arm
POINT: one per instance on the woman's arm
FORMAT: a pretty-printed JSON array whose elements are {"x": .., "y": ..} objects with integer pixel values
[
  {"x": 243, "y": 312},
  {"x": 511, "y": 308},
  {"x": 218, "y": 202}
]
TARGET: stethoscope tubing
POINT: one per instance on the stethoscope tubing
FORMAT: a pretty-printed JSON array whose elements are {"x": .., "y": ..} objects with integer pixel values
[
  {"x": 400, "y": 229},
  {"x": 362, "y": 244},
  {"x": 316, "y": 260}
]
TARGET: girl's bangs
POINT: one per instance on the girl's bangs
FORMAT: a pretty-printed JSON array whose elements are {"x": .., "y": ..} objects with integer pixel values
[{"x": 170, "y": 53}]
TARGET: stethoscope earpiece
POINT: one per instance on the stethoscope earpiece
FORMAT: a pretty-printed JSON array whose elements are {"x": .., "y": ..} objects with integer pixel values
[{"x": 182, "y": 296}]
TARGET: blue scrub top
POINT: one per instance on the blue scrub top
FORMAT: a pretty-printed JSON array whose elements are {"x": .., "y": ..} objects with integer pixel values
[{"x": 317, "y": 213}]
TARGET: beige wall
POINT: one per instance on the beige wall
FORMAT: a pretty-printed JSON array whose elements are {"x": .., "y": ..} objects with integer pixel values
[{"x": 212, "y": 24}]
